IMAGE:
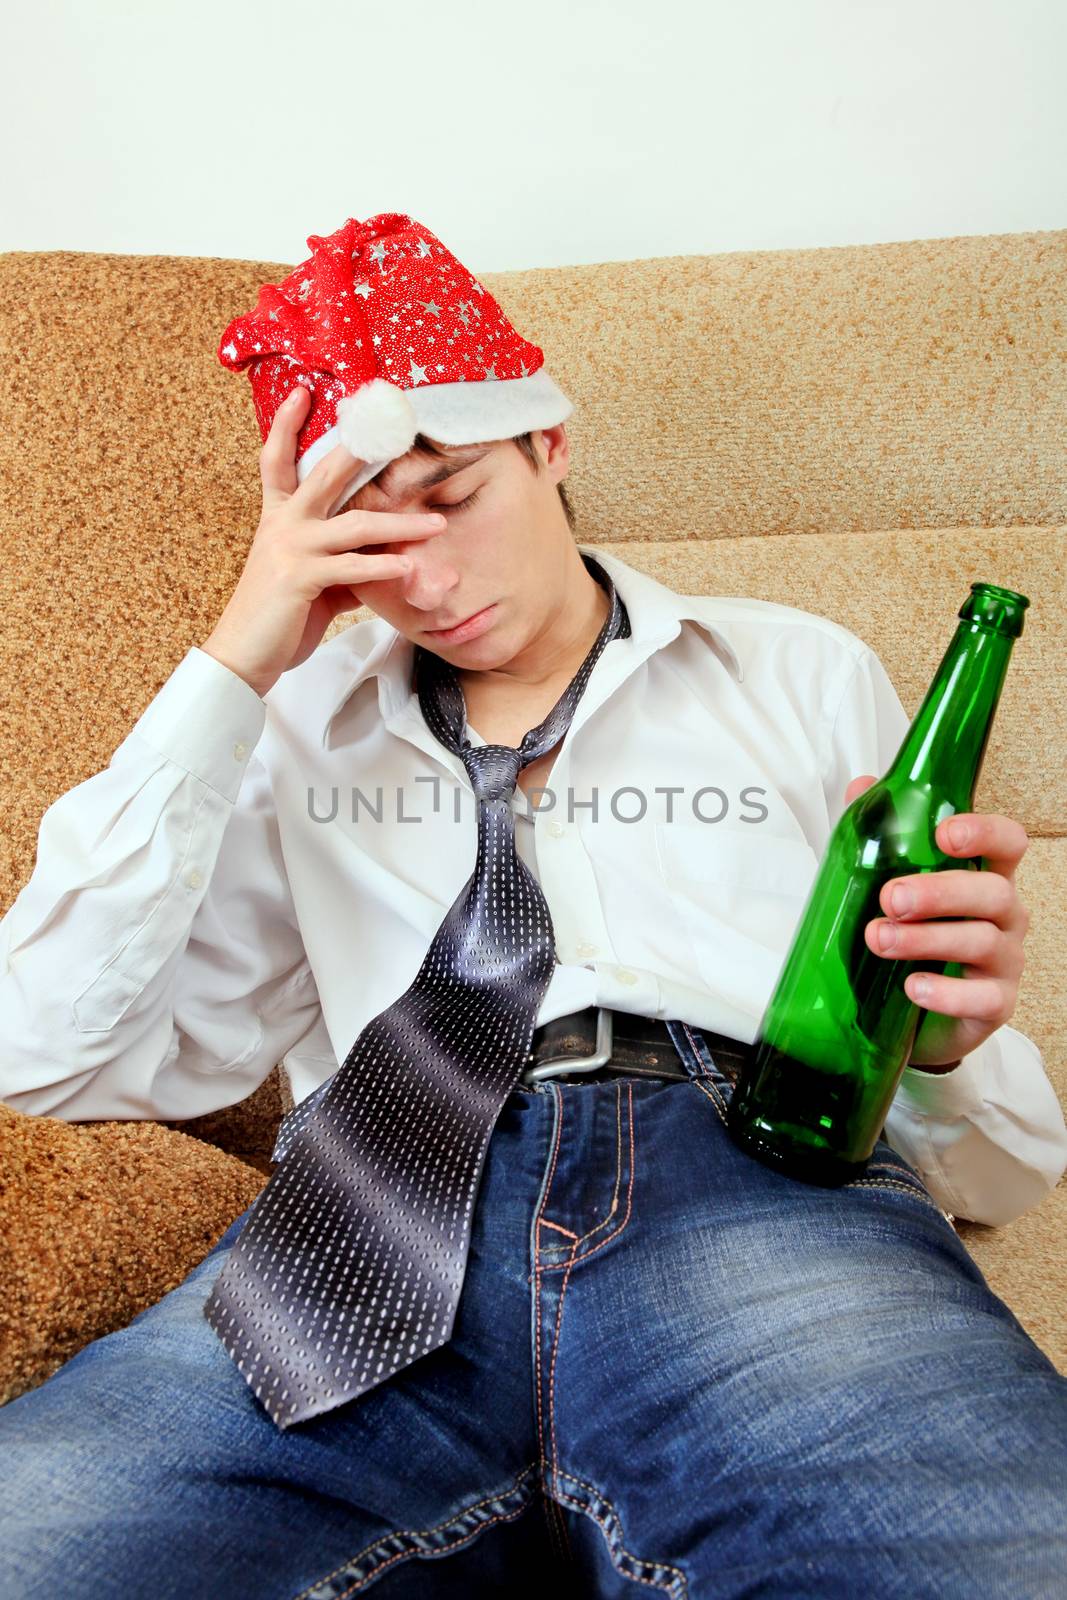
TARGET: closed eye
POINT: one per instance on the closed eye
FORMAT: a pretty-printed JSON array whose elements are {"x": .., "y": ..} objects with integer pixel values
[{"x": 457, "y": 505}]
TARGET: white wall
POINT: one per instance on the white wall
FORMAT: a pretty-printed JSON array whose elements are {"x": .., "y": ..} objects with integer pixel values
[{"x": 529, "y": 135}]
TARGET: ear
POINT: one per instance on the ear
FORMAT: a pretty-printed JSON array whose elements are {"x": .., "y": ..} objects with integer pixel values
[{"x": 556, "y": 450}]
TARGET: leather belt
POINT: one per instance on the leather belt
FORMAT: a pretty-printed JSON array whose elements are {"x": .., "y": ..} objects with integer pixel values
[{"x": 600, "y": 1042}]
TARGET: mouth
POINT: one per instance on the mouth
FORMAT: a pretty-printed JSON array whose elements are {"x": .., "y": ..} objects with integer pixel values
[{"x": 463, "y": 628}]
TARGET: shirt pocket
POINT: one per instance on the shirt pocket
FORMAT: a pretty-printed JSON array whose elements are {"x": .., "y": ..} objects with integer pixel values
[{"x": 738, "y": 894}]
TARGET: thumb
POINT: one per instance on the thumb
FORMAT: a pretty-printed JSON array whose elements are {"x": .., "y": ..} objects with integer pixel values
[{"x": 858, "y": 785}]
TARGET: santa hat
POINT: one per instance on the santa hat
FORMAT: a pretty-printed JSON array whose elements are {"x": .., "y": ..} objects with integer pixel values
[{"x": 393, "y": 337}]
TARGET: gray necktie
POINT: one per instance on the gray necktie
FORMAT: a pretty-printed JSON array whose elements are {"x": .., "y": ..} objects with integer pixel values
[{"x": 351, "y": 1261}]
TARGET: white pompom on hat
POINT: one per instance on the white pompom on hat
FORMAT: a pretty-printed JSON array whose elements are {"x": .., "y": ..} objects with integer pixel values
[{"x": 378, "y": 422}]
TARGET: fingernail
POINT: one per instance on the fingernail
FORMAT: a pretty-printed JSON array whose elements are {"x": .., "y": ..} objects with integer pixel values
[
  {"x": 958, "y": 832},
  {"x": 901, "y": 899},
  {"x": 920, "y": 988},
  {"x": 887, "y": 936}
]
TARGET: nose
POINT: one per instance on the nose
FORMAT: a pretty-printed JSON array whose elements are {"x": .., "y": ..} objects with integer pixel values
[{"x": 431, "y": 579}]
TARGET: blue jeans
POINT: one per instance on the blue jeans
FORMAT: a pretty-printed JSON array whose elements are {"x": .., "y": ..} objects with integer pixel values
[{"x": 672, "y": 1369}]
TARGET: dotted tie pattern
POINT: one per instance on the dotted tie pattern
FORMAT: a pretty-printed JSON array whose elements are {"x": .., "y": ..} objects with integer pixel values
[{"x": 352, "y": 1258}]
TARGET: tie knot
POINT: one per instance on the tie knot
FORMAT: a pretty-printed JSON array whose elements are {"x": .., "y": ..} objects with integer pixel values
[{"x": 493, "y": 770}]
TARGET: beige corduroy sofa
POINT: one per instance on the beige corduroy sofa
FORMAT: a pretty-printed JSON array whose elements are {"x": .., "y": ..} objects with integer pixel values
[{"x": 860, "y": 431}]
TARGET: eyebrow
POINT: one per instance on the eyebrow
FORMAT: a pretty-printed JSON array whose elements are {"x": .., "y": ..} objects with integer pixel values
[{"x": 438, "y": 474}]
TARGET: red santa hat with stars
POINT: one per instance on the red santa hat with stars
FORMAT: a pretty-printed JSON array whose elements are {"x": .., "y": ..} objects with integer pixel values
[{"x": 393, "y": 337}]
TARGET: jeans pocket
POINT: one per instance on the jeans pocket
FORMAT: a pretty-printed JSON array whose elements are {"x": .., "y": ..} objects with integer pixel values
[
  {"x": 885, "y": 1169},
  {"x": 715, "y": 1075}
]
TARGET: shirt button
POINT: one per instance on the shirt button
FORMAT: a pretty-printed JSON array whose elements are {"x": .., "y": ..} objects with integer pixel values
[
  {"x": 585, "y": 949},
  {"x": 624, "y": 976},
  {"x": 194, "y": 880},
  {"x": 555, "y": 829},
  {"x": 240, "y": 751}
]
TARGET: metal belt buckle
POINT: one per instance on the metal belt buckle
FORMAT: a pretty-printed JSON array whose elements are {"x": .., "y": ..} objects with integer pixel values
[{"x": 600, "y": 1057}]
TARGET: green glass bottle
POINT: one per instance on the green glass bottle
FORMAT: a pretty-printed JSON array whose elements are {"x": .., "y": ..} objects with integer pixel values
[{"x": 838, "y": 1029}]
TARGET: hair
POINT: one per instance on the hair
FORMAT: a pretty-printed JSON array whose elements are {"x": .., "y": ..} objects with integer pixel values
[{"x": 523, "y": 442}]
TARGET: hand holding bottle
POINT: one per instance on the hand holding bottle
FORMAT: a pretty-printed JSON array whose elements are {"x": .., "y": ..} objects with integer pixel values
[
  {"x": 987, "y": 940},
  {"x": 845, "y": 1017}
]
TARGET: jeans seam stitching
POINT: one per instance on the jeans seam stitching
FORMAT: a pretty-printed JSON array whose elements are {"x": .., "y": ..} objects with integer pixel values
[
  {"x": 552, "y": 1385},
  {"x": 544, "y": 1222},
  {"x": 695, "y": 1047},
  {"x": 905, "y": 1188},
  {"x": 403, "y": 1555},
  {"x": 679, "y": 1582},
  {"x": 715, "y": 1098},
  {"x": 704, "y": 1075},
  {"x": 555, "y": 1157}
]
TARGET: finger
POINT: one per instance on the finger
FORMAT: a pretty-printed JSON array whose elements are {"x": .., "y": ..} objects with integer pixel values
[
  {"x": 952, "y": 893},
  {"x": 972, "y": 941},
  {"x": 277, "y": 459},
  {"x": 353, "y": 529},
  {"x": 318, "y": 493},
  {"x": 352, "y": 568},
  {"x": 987, "y": 1000},
  {"x": 858, "y": 785},
  {"x": 999, "y": 840}
]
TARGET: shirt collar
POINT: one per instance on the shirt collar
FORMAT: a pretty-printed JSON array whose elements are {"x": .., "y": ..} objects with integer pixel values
[{"x": 656, "y": 615}]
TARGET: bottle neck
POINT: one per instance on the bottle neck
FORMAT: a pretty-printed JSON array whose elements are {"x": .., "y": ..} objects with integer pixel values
[{"x": 944, "y": 747}]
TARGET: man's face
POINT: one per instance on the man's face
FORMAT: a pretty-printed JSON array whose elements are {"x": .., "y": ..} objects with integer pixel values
[{"x": 507, "y": 544}]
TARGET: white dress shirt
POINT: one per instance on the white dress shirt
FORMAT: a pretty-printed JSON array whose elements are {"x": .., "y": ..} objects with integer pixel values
[{"x": 206, "y": 906}]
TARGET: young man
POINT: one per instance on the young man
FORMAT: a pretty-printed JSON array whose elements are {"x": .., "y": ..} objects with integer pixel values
[{"x": 427, "y": 866}]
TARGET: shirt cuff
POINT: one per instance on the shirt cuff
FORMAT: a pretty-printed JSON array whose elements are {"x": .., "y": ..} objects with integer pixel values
[
  {"x": 206, "y": 719},
  {"x": 946, "y": 1095}
]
